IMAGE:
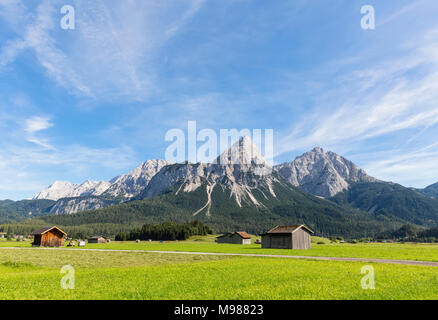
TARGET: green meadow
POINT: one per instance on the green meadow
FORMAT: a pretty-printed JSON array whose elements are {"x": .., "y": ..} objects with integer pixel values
[
  {"x": 31, "y": 273},
  {"x": 35, "y": 274}
]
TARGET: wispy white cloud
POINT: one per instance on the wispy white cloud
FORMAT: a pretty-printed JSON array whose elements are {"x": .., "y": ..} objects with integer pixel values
[
  {"x": 393, "y": 96},
  {"x": 415, "y": 168},
  {"x": 390, "y": 97},
  {"x": 110, "y": 53},
  {"x": 30, "y": 158},
  {"x": 22, "y": 167},
  {"x": 34, "y": 125}
]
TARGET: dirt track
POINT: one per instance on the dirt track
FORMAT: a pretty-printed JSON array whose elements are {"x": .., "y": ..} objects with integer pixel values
[{"x": 392, "y": 261}]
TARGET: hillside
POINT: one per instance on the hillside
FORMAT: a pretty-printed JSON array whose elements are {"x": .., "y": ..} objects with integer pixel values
[
  {"x": 430, "y": 191},
  {"x": 11, "y": 211},
  {"x": 390, "y": 200}
]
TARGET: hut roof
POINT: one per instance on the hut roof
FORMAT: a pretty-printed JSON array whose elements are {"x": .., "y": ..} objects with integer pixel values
[
  {"x": 45, "y": 230},
  {"x": 242, "y": 234},
  {"x": 288, "y": 229}
]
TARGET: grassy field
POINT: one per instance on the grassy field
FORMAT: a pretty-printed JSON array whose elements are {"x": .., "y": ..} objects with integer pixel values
[
  {"x": 35, "y": 274},
  {"x": 403, "y": 251}
]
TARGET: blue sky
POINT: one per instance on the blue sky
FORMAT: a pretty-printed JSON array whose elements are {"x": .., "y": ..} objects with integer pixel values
[{"x": 96, "y": 101}]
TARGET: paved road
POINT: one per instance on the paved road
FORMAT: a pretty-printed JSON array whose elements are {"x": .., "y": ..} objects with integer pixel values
[{"x": 405, "y": 262}]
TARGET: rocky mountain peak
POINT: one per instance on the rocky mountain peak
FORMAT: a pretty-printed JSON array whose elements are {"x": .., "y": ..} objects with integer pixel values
[
  {"x": 65, "y": 189},
  {"x": 317, "y": 150},
  {"x": 243, "y": 152},
  {"x": 131, "y": 184},
  {"x": 322, "y": 173}
]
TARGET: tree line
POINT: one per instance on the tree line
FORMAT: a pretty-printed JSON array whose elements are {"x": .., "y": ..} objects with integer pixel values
[
  {"x": 410, "y": 233},
  {"x": 166, "y": 231}
]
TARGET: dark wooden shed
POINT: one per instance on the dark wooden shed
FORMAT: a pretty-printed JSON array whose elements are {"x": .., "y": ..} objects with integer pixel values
[
  {"x": 240, "y": 237},
  {"x": 49, "y": 237},
  {"x": 288, "y": 237},
  {"x": 97, "y": 239}
]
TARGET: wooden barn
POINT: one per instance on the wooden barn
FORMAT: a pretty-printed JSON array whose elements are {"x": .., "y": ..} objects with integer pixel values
[
  {"x": 287, "y": 237},
  {"x": 97, "y": 239},
  {"x": 49, "y": 237},
  {"x": 234, "y": 238}
]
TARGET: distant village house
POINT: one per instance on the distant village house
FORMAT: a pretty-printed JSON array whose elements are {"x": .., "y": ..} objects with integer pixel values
[
  {"x": 235, "y": 238},
  {"x": 288, "y": 237},
  {"x": 49, "y": 237}
]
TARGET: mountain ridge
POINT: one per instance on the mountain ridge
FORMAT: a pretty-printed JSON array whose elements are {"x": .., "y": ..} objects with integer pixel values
[
  {"x": 322, "y": 173},
  {"x": 241, "y": 185}
]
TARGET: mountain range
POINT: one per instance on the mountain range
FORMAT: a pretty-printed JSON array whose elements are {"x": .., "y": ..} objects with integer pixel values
[{"x": 240, "y": 190}]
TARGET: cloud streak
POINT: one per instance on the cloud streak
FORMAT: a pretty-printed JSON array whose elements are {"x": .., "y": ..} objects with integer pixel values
[{"x": 121, "y": 42}]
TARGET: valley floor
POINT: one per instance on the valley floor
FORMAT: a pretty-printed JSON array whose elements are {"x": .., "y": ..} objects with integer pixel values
[
  {"x": 35, "y": 274},
  {"x": 398, "y": 251}
]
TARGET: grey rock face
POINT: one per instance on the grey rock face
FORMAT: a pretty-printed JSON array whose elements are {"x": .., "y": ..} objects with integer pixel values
[
  {"x": 131, "y": 184},
  {"x": 124, "y": 186},
  {"x": 65, "y": 189},
  {"x": 240, "y": 169},
  {"x": 322, "y": 173}
]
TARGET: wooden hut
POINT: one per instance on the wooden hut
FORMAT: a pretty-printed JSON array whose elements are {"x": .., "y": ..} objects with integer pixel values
[
  {"x": 49, "y": 237},
  {"x": 240, "y": 237},
  {"x": 287, "y": 237},
  {"x": 97, "y": 239}
]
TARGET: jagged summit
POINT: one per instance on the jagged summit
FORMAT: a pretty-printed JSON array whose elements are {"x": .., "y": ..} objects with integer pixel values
[
  {"x": 65, "y": 189},
  {"x": 317, "y": 150},
  {"x": 131, "y": 184},
  {"x": 322, "y": 173},
  {"x": 241, "y": 171},
  {"x": 242, "y": 152},
  {"x": 125, "y": 186}
]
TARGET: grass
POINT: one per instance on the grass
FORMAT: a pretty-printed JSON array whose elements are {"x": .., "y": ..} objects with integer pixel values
[
  {"x": 92, "y": 259},
  {"x": 106, "y": 275},
  {"x": 402, "y": 251},
  {"x": 419, "y": 252},
  {"x": 30, "y": 273}
]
